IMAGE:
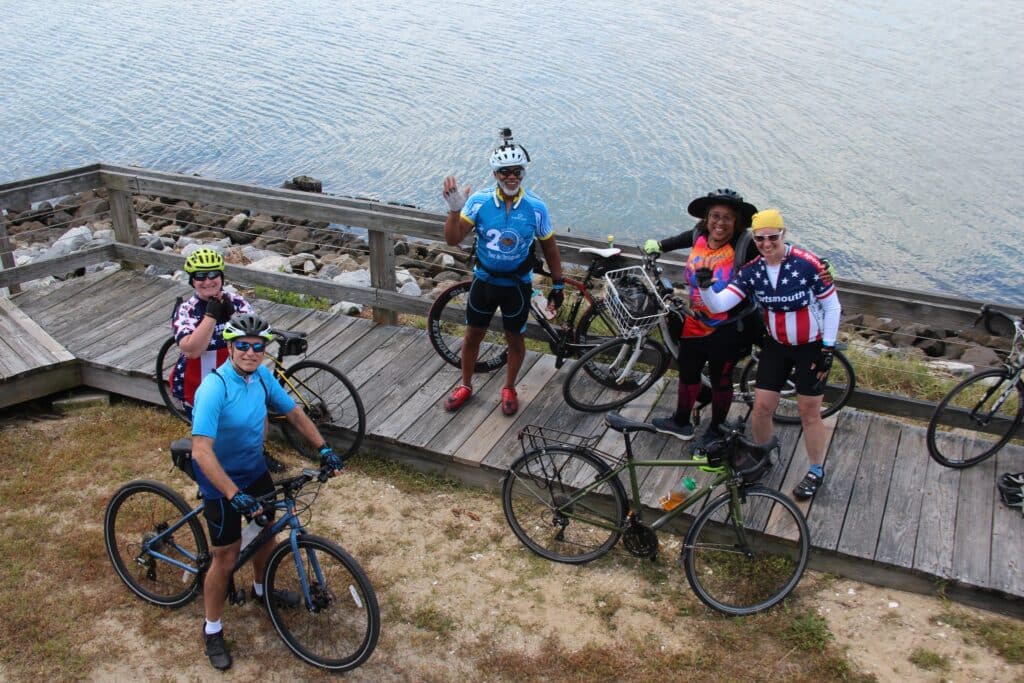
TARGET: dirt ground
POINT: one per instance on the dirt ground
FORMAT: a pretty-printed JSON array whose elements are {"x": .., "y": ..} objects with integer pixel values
[{"x": 461, "y": 598}]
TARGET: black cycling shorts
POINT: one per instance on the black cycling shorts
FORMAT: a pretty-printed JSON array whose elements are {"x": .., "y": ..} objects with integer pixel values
[
  {"x": 485, "y": 298},
  {"x": 778, "y": 361},
  {"x": 224, "y": 522}
]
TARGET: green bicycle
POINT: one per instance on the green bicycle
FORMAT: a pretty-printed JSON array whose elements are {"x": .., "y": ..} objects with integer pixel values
[{"x": 745, "y": 551}]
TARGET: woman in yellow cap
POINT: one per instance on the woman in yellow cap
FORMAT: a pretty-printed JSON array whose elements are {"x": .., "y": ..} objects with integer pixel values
[{"x": 801, "y": 313}]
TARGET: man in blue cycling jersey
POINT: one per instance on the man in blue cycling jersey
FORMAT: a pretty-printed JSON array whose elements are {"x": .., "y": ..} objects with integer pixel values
[
  {"x": 227, "y": 446},
  {"x": 506, "y": 220}
]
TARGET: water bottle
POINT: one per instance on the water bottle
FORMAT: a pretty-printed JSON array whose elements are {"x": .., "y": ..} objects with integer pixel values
[
  {"x": 611, "y": 241},
  {"x": 540, "y": 305},
  {"x": 249, "y": 532},
  {"x": 678, "y": 494}
]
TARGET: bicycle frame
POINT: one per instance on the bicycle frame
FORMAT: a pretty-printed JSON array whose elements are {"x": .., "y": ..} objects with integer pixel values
[{"x": 151, "y": 547}]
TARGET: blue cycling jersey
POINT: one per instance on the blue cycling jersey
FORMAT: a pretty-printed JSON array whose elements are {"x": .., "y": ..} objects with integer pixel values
[
  {"x": 231, "y": 409},
  {"x": 505, "y": 238}
]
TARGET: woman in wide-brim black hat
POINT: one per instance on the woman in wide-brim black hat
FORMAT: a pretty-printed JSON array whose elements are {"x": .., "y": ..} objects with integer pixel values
[{"x": 719, "y": 241}]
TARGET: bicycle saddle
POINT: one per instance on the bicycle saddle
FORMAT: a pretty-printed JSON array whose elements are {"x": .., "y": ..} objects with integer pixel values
[
  {"x": 288, "y": 335},
  {"x": 607, "y": 252},
  {"x": 624, "y": 424}
]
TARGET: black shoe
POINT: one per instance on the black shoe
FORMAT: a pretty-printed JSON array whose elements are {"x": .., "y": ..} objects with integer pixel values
[
  {"x": 806, "y": 489},
  {"x": 217, "y": 649},
  {"x": 668, "y": 425},
  {"x": 281, "y": 597},
  {"x": 273, "y": 464}
]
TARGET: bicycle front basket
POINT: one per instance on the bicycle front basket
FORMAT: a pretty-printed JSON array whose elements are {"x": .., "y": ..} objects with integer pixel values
[{"x": 633, "y": 301}]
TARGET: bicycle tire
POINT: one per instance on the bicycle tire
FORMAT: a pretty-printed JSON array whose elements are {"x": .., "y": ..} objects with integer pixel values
[
  {"x": 595, "y": 382},
  {"x": 446, "y": 336},
  {"x": 330, "y": 400},
  {"x": 733, "y": 570},
  {"x": 162, "y": 377},
  {"x": 142, "y": 509},
  {"x": 339, "y": 628},
  {"x": 842, "y": 381},
  {"x": 535, "y": 490},
  {"x": 948, "y": 416}
]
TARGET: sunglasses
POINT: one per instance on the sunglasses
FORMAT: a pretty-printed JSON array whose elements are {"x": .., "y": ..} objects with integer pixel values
[
  {"x": 207, "y": 275},
  {"x": 258, "y": 347},
  {"x": 517, "y": 171},
  {"x": 774, "y": 237}
]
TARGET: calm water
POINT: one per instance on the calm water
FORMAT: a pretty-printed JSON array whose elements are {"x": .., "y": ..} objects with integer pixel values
[{"x": 888, "y": 133}]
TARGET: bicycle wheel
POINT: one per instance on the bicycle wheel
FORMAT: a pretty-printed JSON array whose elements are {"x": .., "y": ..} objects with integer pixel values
[
  {"x": 739, "y": 571},
  {"x": 139, "y": 512},
  {"x": 338, "y": 628},
  {"x": 609, "y": 376},
  {"x": 540, "y": 503},
  {"x": 841, "y": 382},
  {"x": 331, "y": 402},
  {"x": 987, "y": 406},
  {"x": 446, "y": 326},
  {"x": 166, "y": 359}
]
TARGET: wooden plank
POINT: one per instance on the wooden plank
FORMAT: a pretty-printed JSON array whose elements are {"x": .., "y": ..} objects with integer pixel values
[
  {"x": 495, "y": 442},
  {"x": 1006, "y": 571},
  {"x": 441, "y": 436},
  {"x": 780, "y": 524},
  {"x": 41, "y": 303},
  {"x": 122, "y": 216},
  {"x": 111, "y": 331},
  {"x": 845, "y": 455},
  {"x": 104, "y": 321},
  {"x": 30, "y": 345},
  {"x": 898, "y": 536},
  {"x": 643, "y": 409},
  {"x": 654, "y": 482},
  {"x": 378, "y": 336},
  {"x": 6, "y": 252},
  {"x": 972, "y": 541},
  {"x": 57, "y": 267},
  {"x": 868, "y": 498},
  {"x": 11, "y": 362},
  {"x": 413, "y": 409},
  {"x": 382, "y": 271},
  {"x": 935, "y": 540},
  {"x": 50, "y": 186},
  {"x": 334, "y": 343},
  {"x": 32, "y": 385},
  {"x": 384, "y": 381},
  {"x": 410, "y": 388}
]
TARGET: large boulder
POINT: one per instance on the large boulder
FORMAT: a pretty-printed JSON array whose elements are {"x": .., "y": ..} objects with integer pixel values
[
  {"x": 273, "y": 264},
  {"x": 235, "y": 228},
  {"x": 355, "y": 278},
  {"x": 980, "y": 357}
]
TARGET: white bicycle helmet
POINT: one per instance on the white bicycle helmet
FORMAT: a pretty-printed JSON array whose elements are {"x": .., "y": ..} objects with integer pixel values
[{"x": 508, "y": 153}]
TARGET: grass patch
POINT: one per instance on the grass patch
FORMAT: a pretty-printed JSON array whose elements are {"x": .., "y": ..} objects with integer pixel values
[
  {"x": 430, "y": 618},
  {"x": 404, "y": 477},
  {"x": 925, "y": 659},
  {"x": 296, "y": 299},
  {"x": 809, "y": 633},
  {"x": 1003, "y": 636}
]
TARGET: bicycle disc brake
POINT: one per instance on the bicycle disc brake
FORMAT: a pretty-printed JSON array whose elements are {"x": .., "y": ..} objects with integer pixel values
[{"x": 640, "y": 540}]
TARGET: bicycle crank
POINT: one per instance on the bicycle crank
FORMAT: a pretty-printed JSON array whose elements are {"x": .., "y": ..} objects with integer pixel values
[{"x": 640, "y": 540}]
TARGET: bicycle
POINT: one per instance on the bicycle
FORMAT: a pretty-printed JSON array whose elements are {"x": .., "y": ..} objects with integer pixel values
[
  {"x": 446, "y": 320},
  {"x": 987, "y": 405},
  {"x": 745, "y": 551},
  {"x": 158, "y": 548},
  {"x": 324, "y": 392},
  {"x": 615, "y": 353}
]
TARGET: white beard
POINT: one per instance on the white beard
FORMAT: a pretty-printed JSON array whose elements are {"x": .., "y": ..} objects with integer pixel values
[{"x": 507, "y": 192}]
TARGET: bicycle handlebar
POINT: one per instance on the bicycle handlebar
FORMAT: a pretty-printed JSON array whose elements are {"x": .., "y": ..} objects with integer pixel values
[
  {"x": 681, "y": 307},
  {"x": 290, "y": 486}
]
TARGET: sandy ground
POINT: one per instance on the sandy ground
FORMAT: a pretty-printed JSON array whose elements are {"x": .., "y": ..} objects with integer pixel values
[
  {"x": 454, "y": 582},
  {"x": 462, "y": 599}
]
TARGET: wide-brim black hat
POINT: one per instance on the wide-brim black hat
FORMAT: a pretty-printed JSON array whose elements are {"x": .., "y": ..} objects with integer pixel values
[{"x": 699, "y": 207}]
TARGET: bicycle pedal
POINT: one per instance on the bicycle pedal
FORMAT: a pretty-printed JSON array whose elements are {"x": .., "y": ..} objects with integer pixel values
[{"x": 237, "y": 597}]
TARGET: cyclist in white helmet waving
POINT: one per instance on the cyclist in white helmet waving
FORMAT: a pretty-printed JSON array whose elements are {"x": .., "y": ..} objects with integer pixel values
[{"x": 506, "y": 219}]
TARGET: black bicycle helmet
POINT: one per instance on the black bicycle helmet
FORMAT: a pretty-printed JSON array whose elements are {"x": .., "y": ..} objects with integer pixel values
[
  {"x": 699, "y": 207},
  {"x": 247, "y": 325},
  {"x": 1011, "y": 489}
]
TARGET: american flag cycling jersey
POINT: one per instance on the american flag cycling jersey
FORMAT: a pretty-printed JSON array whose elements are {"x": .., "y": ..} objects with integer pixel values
[
  {"x": 187, "y": 373},
  {"x": 803, "y": 306}
]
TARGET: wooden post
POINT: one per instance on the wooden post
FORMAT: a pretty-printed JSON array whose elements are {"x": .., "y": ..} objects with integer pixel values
[
  {"x": 6, "y": 253},
  {"x": 122, "y": 214},
  {"x": 382, "y": 272}
]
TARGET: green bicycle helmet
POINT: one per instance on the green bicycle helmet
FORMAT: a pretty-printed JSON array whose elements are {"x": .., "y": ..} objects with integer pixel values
[
  {"x": 248, "y": 325},
  {"x": 203, "y": 260}
]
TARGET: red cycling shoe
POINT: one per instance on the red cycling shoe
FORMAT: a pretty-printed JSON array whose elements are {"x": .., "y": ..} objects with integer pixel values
[
  {"x": 457, "y": 398},
  {"x": 509, "y": 401}
]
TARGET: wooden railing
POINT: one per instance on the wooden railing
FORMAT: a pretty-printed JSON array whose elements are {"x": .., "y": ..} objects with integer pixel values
[{"x": 383, "y": 222}]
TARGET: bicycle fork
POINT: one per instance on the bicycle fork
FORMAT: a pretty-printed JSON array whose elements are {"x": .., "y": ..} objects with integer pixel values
[{"x": 628, "y": 367}]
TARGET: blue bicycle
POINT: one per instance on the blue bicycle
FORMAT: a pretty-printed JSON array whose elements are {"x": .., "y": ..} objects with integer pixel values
[{"x": 159, "y": 549}]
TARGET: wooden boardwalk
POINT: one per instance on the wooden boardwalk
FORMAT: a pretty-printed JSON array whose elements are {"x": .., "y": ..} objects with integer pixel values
[{"x": 888, "y": 513}]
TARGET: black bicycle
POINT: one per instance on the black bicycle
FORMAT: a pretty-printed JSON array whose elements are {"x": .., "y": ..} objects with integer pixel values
[
  {"x": 324, "y": 392},
  {"x": 159, "y": 549},
  {"x": 988, "y": 406}
]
